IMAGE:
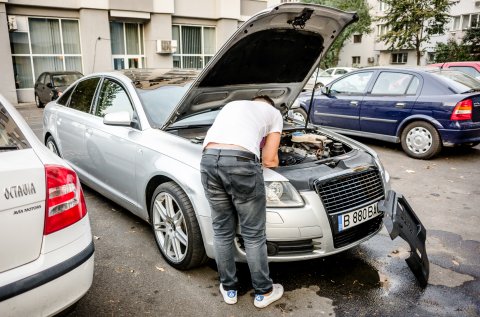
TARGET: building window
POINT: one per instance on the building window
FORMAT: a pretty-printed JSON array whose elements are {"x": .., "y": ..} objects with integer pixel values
[
  {"x": 355, "y": 60},
  {"x": 399, "y": 58},
  {"x": 383, "y": 6},
  {"x": 357, "y": 38},
  {"x": 456, "y": 23},
  {"x": 44, "y": 44},
  {"x": 127, "y": 45},
  {"x": 196, "y": 46},
  {"x": 382, "y": 29}
]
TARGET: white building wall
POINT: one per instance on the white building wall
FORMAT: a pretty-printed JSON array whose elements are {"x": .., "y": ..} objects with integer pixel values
[{"x": 371, "y": 47}]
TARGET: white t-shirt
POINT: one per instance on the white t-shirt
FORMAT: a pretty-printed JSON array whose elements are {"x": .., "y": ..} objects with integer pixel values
[{"x": 245, "y": 123}]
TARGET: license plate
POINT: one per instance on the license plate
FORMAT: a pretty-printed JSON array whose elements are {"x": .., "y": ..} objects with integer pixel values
[{"x": 356, "y": 217}]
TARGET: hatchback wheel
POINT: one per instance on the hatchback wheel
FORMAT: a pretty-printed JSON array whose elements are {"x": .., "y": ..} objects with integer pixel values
[
  {"x": 421, "y": 140},
  {"x": 38, "y": 102},
  {"x": 52, "y": 146},
  {"x": 175, "y": 227},
  {"x": 300, "y": 114}
]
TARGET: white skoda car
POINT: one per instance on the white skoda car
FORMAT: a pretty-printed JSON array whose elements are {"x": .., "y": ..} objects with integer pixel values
[{"x": 46, "y": 246}]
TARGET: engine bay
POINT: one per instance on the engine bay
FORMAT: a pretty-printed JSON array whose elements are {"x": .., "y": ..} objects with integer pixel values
[{"x": 304, "y": 146}]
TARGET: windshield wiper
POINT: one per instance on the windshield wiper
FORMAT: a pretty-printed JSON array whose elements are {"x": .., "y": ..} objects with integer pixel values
[{"x": 188, "y": 126}]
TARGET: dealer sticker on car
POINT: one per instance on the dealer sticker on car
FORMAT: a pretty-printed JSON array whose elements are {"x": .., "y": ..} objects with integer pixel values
[{"x": 356, "y": 217}]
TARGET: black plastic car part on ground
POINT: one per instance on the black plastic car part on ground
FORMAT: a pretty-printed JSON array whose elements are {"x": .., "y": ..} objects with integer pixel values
[{"x": 401, "y": 220}]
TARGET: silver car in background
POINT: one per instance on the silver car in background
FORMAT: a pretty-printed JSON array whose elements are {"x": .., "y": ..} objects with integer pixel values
[
  {"x": 46, "y": 245},
  {"x": 136, "y": 137}
]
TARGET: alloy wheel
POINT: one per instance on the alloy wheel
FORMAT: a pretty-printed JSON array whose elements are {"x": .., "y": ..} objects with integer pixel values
[{"x": 170, "y": 227}]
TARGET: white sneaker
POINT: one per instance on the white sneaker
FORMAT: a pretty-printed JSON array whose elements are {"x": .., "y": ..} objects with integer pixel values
[
  {"x": 262, "y": 301},
  {"x": 230, "y": 297}
]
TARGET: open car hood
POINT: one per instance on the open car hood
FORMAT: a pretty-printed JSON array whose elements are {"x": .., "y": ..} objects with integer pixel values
[{"x": 274, "y": 53}]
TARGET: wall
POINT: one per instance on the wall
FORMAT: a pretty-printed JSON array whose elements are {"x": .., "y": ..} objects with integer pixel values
[
  {"x": 7, "y": 79},
  {"x": 96, "y": 53}
]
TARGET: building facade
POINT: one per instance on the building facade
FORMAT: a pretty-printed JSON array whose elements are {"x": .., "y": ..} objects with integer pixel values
[
  {"x": 102, "y": 35},
  {"x": 364, "y": 50}
]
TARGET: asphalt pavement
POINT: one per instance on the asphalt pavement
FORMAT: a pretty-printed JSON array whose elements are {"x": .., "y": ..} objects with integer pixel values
[{"x": 132, "y": 279}]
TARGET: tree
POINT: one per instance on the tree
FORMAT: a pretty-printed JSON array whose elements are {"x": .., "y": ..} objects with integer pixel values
[
  {"x": 471, "y": 40},
  {"x": 411, "y": 23},
  {"x": 362, "y": 26},
  {"x": 450, "y": 52}
]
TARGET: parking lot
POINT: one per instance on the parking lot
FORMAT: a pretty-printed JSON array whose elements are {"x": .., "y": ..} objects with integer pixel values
[{"x": 132, "y": 279}]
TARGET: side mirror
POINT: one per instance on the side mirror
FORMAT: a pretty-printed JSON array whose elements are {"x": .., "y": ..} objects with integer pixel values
[
  {"x": 121, "y": 118},
  {"x": 325, "y": 90},
  {"x": 49, "y": 85}
]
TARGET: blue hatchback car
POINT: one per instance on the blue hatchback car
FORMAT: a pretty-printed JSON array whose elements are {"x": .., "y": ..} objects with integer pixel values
[{"x": 423, "y": 109}]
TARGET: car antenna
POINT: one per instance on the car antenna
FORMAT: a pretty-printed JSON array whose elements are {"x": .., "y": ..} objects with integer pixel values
[{"x": 311, "y": 98}]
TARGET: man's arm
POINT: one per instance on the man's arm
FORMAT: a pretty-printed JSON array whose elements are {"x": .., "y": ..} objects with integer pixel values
[{"x": 270, "y": 150}]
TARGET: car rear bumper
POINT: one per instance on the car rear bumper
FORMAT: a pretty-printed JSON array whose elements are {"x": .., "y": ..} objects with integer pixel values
[
  {"x": 61, "y": 275},
  {"x": 453, "y": 136}
]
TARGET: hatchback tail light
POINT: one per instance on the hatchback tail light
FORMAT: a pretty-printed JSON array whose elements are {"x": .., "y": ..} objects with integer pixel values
[
  {"x": 65, "y": 203},
  {"x": 463, "y": 110}
]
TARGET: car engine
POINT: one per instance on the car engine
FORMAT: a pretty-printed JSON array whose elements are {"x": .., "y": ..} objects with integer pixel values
[{"x": 306, "y": 146}]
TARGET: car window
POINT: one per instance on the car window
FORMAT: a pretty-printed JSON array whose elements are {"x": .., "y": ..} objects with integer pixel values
[
  {"x": 47, "y": 79},
  {"x": 412, "y": 89},
  {"x": 160, "y": 102},
  {"x": 41, "y": 78},
  {"x": 466, "y": 69},
  {"x": 113, "y": 98},
  {"x": 457, "y": 81},
  {"x": 353, "y": 84},
  {"x": 340, "y": 72},
  {"x": 11, "y": 138},
  {"x": 389, "y": 83},
  {"x": 64, "y": 97},
  {"x": 64, "y": 79},
  {"x": 82, "y": 96},
  {"x": 326, "y": 73}
]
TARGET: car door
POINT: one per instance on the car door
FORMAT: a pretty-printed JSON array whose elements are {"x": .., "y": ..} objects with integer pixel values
[
  {"x": 112, "y": 149},
  {"x": 340, "y": 108},
  {"x": 39, "y": 85},
  {"x": 71, "y": 122},
  {"x": 46, "y": 96},
  {"x": 390, "y": 100}
]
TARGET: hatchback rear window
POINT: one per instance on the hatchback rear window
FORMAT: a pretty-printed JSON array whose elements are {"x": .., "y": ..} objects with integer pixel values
[
  {"x": 11, "y": 138},
  {"x": 458, "y": 81}
]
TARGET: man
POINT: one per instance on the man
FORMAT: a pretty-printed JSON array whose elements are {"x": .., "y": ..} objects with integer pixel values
[{"x": 233, "y": 182}]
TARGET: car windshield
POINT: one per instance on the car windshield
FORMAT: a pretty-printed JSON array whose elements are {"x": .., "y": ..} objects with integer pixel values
[
  {"x": 11, "y": 138},
  {"x": 459, "y": 81},
  {"x": 64, "y": 79},
  {"x": 160, "y": 102}
]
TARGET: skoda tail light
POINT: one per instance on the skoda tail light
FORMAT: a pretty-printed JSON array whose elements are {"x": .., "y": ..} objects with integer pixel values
[
  {"x": 463, "y": 110},
  {"x": 65, "y": 203}
]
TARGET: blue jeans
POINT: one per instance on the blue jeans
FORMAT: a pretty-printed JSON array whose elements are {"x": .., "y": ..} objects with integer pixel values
[{"x": 235, "y": 189}]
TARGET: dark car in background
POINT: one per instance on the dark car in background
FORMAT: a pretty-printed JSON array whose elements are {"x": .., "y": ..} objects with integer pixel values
[
  {"x": 50, "y": 85},
  {"x": 423, "y": 109}
]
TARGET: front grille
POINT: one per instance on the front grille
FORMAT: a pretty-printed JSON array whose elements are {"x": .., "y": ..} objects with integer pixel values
[
  {"x": 349, "y": 191},
  {"x": 356, "y": 233},
  {"x": 284, "y": 247}
]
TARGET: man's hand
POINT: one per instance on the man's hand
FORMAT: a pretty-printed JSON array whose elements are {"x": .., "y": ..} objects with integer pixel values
[{"x": 270, "y": 150}]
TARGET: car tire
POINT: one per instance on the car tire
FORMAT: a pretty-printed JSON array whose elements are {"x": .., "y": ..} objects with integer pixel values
[
  {"x": 38, "y": 102},
  {"x": 175, "y": 227},
  {"x": 300, "y": 114},
  {"x": 52, "y": 146},
  {"x": 421, "y": 140}
]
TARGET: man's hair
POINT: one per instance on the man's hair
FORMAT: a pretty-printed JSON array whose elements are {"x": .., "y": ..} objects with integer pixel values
[{"x": 265, "y": 98}]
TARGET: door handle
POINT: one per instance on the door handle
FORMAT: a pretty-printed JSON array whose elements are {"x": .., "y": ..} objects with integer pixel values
[
  {"x": 59, "y": 121},
  {"x": 354, "y": 103},
  {"x": 400, "y": 105},
  {"x": 88, "y": 132}
]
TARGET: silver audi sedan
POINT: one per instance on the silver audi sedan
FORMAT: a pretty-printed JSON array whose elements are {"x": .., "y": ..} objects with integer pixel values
[{"x": 136, "y": 137}]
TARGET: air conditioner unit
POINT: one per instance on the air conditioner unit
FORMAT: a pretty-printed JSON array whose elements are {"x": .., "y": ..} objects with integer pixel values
[
  {"x": 12, "y": 23},
  {"x": 166, "y": 46},
  {"x": 370, "y": 59}
]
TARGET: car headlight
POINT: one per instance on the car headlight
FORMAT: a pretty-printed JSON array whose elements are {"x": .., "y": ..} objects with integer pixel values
[{"x": 282, "y": 194}]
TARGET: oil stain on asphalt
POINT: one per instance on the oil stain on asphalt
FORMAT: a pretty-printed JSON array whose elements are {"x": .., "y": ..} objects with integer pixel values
[{"x": 374, "y": 280}]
